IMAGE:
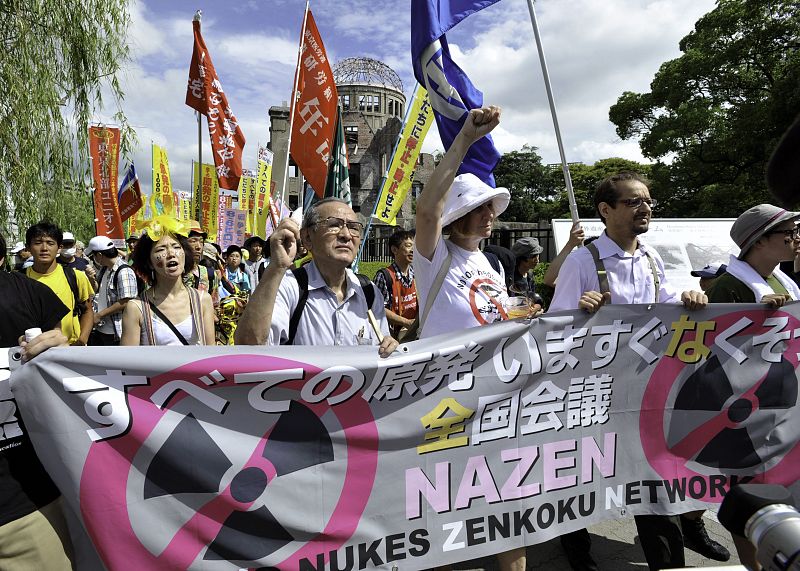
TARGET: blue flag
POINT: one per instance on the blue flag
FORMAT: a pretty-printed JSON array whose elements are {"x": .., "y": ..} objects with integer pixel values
[{"x": 451, "y": 92}]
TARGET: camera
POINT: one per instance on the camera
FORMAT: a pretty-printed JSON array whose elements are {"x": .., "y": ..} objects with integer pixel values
[{"x": 765, "y": 515}]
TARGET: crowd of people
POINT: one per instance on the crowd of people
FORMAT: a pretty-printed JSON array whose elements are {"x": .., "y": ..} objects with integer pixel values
[{"x": 171, "y": 285}]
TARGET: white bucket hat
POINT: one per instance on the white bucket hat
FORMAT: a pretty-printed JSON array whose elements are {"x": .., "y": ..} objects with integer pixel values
[{"x": 469, "y": 192}]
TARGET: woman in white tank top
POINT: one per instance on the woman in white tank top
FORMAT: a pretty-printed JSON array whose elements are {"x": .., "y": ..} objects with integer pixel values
[{"x": 168, "y": 312}]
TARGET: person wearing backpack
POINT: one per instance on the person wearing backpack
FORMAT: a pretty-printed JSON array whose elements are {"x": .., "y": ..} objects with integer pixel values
[
  {"x": 323, "y": 302},
  {"x": 44, "y": 240},
  {"x": 117, "y": 285}
]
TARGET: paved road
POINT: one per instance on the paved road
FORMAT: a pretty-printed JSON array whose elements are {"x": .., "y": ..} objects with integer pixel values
[{"x": 615, "y": 547}]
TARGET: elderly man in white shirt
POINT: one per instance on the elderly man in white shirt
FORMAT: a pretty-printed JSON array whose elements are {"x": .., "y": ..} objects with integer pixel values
[
  {"x": 618, "y": 268},
  {"x": 335, "y": 311}
]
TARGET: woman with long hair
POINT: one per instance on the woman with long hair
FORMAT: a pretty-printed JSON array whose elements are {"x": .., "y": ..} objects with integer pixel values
[{"x": 167, "y": 312}]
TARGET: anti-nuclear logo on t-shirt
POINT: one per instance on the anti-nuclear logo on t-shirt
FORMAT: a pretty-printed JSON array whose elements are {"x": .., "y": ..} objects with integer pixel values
[{"x": 484, "y": 294}]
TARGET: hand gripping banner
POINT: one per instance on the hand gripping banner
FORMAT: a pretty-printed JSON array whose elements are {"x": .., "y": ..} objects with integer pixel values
[{"x": 453, "y": 448}]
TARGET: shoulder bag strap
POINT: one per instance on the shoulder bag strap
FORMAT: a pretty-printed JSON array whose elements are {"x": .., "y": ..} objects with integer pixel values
[
  {"x": 167, "y": 322},
  {"x": 147, "y": 318},
  {"x": 301, "y": 275},
  {"x": 602, "y": 275},
  {"x": 197, "y": 314},
  {"x": 435, "y": 287},
  {"x": 654, "y": 269}
]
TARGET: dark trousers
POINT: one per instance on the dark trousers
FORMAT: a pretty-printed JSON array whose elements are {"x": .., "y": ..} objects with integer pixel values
[
  {"x": 97, "y": 339},
  {"x": 660, "y": 536}
]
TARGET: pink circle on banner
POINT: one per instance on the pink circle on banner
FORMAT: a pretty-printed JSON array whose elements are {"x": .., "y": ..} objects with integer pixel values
[
  {"x": 105, "y": 474},
  {"x": 652, "y": 422}
]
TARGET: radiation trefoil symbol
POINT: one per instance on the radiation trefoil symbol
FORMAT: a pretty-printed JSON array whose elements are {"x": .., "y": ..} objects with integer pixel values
[
  {"x": 723, "y": 416},
  {"x": 192, "y": 488}
]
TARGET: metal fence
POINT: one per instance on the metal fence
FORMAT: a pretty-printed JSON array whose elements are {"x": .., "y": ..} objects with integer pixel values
[{"x": 377, "y": 247}]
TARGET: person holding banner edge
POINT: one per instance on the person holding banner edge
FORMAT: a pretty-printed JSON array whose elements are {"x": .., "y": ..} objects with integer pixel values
[
  {"x": 465, "y": 207},
  {"x": 619, "y": 268}
]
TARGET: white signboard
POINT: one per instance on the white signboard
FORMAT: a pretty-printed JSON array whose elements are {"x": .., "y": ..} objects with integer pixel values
[{"x": 685, "y": 244}]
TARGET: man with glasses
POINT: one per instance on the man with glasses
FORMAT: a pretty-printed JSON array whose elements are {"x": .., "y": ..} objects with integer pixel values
[
  {"x": 323, "y": 302},
  {"x": 618, "y": 268},
  {"x": 766, "y": 235}
]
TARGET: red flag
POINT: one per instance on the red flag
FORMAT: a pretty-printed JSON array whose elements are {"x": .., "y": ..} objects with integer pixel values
[
  {"x": 205, "y": 94},
  {"x": 315, "y": 111},
  {"x": 104, "y": 150}
]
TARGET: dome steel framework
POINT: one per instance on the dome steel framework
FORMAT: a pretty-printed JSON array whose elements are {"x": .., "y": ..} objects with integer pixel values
[{"x": 366, "y": 70}]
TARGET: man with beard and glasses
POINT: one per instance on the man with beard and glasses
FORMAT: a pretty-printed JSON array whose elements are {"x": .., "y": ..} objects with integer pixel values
[{"x": 618, "y": 268}]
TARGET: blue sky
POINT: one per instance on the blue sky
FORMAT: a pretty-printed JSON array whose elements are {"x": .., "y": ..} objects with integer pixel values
[{"x": 595, "y": 51}]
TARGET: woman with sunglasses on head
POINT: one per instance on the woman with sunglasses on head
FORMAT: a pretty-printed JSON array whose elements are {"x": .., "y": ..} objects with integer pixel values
[
  {"x": 457, "y": 286},
  {"x": 168, "y": 312}
]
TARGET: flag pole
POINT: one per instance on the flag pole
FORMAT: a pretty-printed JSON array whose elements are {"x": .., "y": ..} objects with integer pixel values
[
  {"x": 199, "y": 188},
  {"x": 291, "y": 107},
  {"x": 573, "y": 207},
  {"x": 385, "y": 176}
]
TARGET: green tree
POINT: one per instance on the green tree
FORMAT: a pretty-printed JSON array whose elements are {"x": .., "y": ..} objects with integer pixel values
[
  {"x": 529, "y": 181},
  {"x": 714, "y": 114},
  {"x": 58, "y": 57}
]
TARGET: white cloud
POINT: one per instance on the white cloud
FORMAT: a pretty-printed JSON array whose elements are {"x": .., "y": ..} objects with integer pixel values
[{"x": 595, "y": 51}]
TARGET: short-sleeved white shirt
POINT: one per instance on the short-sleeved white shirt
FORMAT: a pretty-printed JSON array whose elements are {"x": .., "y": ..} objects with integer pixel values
[
  {"x": 630, "y": 277},
  {"x": 324, "y": 320},
  {"x": 471, "y": 295}
]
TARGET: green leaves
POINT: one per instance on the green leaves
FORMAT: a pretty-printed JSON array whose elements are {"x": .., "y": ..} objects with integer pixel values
[
  {"x": 59, "y": 57},
  {"x": 714, "y": 114}
]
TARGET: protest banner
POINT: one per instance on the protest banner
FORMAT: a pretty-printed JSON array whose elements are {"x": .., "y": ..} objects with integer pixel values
[
  {"x": 204, "y": 93},
  {"x": 207, "y": 189},
  {"x": 104, "y": 151},
  {"x": 129, "y": 196},
  {"x": 162, "y": 183},
  {"x": 315, "y": 111},
  {"x": 455, "y": 447},
  {"x": 247, "y": 191},
  {"x": 263, "y": 191},
  {"x": 231, "y": 227},
  {"x": 397, "y": 182}
]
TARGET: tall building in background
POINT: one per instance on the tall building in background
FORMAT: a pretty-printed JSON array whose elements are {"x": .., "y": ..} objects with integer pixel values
[{"x": 373, "y": 107}]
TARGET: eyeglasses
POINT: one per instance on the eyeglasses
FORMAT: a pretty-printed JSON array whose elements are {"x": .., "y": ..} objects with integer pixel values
[
  {"x": 334, "y": 225},
  {"x": 638, "y": 201},
  {"x": 793, "y": 233}
]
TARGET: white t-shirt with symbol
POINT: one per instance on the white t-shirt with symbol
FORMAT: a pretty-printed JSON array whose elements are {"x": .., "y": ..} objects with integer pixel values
[{"x": 471, "y": 295}]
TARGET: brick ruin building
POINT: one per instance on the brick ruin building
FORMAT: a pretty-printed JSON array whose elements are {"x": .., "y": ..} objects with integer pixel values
[{"x": 373, "y": 108}]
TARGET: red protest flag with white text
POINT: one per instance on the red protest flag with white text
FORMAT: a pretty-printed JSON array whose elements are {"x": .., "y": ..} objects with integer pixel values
[
  {"x": 205, "y": 94},
  {"x": 315, "y": 110}
]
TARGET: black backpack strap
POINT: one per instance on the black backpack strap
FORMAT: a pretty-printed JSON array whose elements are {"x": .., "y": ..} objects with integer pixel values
[
  {"x": 72, "y": 280},
  {"x": 301, "y": 275},
  {"x": 369, "y": 289},
  {"x": 494, "y": 261}
]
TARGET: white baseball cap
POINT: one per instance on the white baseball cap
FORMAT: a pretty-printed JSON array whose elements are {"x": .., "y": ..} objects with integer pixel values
[
  {"x": 68, "y": 237},
  {"x": 18, "y": 247},
  {"x": 98, "y": 244}
]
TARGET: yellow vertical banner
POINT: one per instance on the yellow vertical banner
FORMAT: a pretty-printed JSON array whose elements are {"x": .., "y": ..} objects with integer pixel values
[
  {"x": 247, "y": 190},
  {"x": 398, "y": 178},
  {"x": 261, "y": 208},
  {"x": 162, "y": 183},
  {"x": 252, "y": 189},
  {"x": 209, "y": 187}
]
